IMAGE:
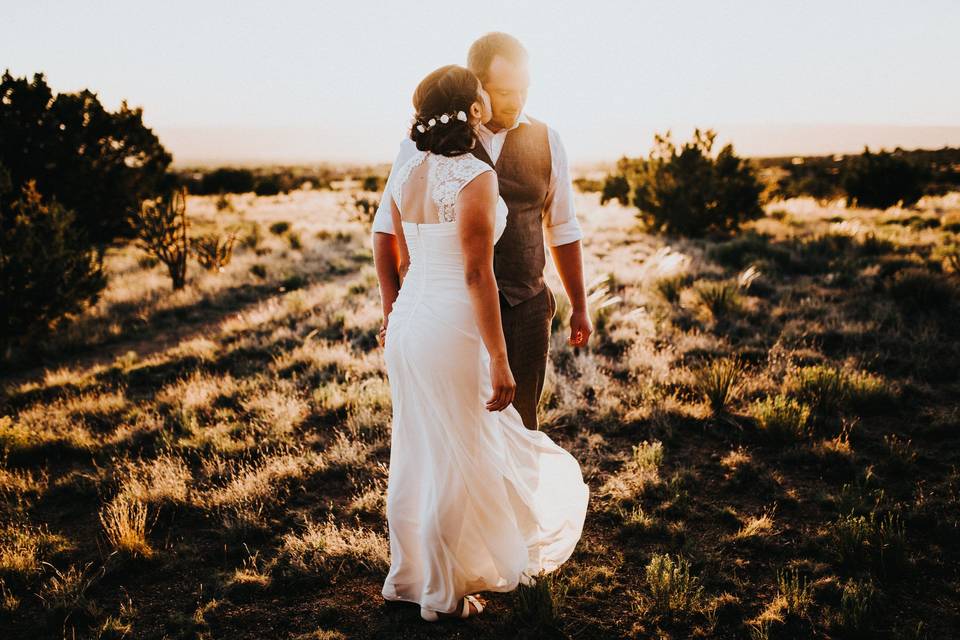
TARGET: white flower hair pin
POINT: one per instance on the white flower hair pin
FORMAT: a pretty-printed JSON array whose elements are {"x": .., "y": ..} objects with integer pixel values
[{"x": 444, "y": 119}]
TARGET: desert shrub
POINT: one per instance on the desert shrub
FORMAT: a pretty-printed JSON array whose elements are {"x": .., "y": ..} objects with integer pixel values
[
  {"x": 47, "y": 268},
  {"x": 824, "y": 248},
  {"x": 588, "y": 185},
  {"x": 214, "y": 250},
  {"x": 615, "y": 187},
  {"x": 689, "y": 191},
  {"x": 267, "y": 186},
  {"x": 874, "y": 245},
  {"x": 124, "y": 521},
  {"x": 374, "y": 183},
  {"x": 226, "y": 180},
  {"x": 364, "y": 209},
  {"x": 948, "y": 255},
  {"x": 818, "y": 178},
  {"x": 871, "y": 541},
  {"x": 900, "y": 453},
  {"x": 279, "y": 228},
  {"x": 162, "y": 232},
  {"x": 869, "y": 393},
  {"x": 750, "y": 248},
  {"x": 825, "y": 389},
  {"x": 294, "y": 240},
  {"x": 918, "y": 290},
  {"x": 858, "y": 602},
  {"x": 883, "y": 179},
  {"x": 796, "y": 592},
  {"x": 640, "y": 472},
  {"x": 97, "y": 163},
  {"x": 782, "y": 418},
  {"x": 674, "y": 590}
]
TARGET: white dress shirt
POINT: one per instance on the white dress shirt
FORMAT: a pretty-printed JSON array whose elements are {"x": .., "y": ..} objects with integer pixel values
[{"x": 560, "y": 225}]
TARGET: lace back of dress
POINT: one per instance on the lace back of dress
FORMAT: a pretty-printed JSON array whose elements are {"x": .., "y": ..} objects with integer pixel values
[{"x": 447, "y": 175}]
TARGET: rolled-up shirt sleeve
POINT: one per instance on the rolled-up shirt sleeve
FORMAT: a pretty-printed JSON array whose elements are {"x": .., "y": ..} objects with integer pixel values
[
  {"x": 560, "y": 224},
  {"x": 382, "y": 220}
]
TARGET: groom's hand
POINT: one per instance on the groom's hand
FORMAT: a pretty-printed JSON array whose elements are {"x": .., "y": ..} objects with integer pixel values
[{"x": 580, "y": 328}]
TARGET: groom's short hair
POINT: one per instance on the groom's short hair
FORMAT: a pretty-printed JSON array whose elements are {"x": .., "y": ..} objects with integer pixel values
[{"x": 488, "y": 46}]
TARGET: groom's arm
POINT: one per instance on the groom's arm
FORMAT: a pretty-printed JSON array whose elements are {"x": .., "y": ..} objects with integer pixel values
[
  {"x": 386, "y": 248},
  {"x": 563, "y": 234},
  {"x": 386, "y": 259}
]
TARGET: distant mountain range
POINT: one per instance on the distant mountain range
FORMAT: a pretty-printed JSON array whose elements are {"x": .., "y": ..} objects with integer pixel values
[{"x": 588, "y": 145}]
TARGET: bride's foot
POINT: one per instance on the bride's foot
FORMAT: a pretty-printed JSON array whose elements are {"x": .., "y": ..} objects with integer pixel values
[{"x": 469, "y": 606}]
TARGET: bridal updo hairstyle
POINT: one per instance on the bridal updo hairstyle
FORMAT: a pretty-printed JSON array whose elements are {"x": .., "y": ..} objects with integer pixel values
[{"x": 447, "y": 90}]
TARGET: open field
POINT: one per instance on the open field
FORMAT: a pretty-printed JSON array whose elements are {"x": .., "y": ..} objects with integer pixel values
[{"x": 768, "y": 424}]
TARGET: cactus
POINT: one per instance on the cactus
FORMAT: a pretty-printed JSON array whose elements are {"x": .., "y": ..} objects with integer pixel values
[
  {"x": 213, "y": 251},
  {"x": 162, "y": 232}
]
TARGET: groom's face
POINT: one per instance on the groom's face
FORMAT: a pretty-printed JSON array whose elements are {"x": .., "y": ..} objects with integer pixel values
[{"x": 507, "y": 84}]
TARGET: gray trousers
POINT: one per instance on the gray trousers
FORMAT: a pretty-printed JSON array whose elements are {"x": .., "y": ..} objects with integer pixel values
[{"x": 526, "y": 330}]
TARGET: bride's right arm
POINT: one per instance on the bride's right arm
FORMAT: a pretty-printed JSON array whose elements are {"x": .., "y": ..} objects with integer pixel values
[{"x": 475, "y": 214}]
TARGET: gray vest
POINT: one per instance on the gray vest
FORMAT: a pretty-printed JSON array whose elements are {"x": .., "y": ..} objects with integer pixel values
[{"x": 523, "y": 171}]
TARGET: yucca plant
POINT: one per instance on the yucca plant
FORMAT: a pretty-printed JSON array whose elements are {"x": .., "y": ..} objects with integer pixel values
[
  {"x": 720, "y": 298},
  {"x": 670, "y": 287},
  {"x": 600, "y": 302},
  {"x": 162, "y": 232},
  {"x": 719, "y": 382}
]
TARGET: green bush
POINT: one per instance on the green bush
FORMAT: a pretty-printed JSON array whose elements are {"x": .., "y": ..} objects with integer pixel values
[
  {"x": 226, "y": 180},
  {"x": 267, "y": 186},
  {"x": 918, "y": 290},
  {"x": 47, "y": 266},
  {"x": 782, "y": 418},
  {"x": 689, "y": 192},
  {"x": 751, "y": 248},
  {"x": 96, "y": 163},
  {"x": 883, "y": 179},
  {"x": 817, "y": 177},
  {"x": 675, "y": 592},
  {"x": 615, "y": 187},
  {"x": 825, "y": 389}
]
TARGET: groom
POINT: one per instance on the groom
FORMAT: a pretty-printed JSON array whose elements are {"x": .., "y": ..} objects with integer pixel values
[{"x": 534, "y": 178}]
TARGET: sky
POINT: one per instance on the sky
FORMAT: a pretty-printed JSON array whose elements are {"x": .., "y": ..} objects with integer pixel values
[{"x": 290, "y": 81}]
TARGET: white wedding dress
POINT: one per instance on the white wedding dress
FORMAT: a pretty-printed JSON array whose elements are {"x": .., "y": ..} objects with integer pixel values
[{"x": 475, "y": 500}]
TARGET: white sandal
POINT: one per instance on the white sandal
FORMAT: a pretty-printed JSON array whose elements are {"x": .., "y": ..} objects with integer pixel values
[{"x": 432, "y": 616}]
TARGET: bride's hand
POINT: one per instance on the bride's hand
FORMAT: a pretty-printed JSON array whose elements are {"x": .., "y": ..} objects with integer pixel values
[{"x": 504, "y": 385}]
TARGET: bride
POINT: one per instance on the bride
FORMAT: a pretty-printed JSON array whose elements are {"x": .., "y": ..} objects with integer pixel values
[{"x": 475, "y": 500}]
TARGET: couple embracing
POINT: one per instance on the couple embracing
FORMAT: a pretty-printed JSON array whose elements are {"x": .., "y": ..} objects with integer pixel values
[{"x": 478, "y": 498}]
